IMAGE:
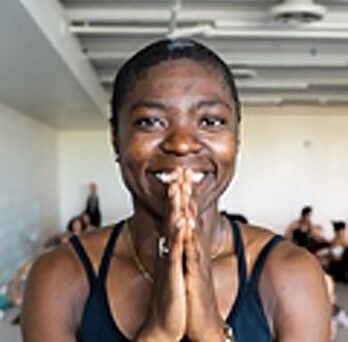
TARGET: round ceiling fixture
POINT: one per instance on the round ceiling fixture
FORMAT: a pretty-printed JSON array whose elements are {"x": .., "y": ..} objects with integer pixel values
[{"x": 300, "y": 11}]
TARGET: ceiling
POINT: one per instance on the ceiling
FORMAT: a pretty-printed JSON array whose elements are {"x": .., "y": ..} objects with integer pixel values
[{"x": 82, "y": 43}]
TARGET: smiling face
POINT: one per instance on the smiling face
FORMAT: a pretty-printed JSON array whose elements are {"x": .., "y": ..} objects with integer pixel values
[{"x": 180, "y": 113}]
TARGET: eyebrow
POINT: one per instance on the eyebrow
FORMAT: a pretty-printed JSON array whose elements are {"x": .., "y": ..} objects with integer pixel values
[
  {"x": 215, "y": 101},
  {"x": 147, "y": 104}
]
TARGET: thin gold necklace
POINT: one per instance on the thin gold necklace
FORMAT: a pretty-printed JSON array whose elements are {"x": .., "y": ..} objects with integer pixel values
[
  {"x": 215, "y": 254},
  {"x": 143, "y": 269}
]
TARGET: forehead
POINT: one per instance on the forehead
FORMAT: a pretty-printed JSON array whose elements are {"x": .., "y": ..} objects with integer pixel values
[{"x": 178, "y": 78}]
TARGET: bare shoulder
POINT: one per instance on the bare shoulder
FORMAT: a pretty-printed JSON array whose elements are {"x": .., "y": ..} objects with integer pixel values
[
  {"x": 254, "y": 239},
  {"x": 55, "y": 285},
  {"x": 285, "y": 259},
  {"x": 288, "y": 259},
  {"x": 52, "y": 265},
  {"x": 292, "y": 289},
  {"x": 57, "y": 289},
  {"x": 293, "y": 292},
  {"x": 53, "y": 273},
  {"x": 253, "y": 234},
  {"x": 63, "y": 264}
]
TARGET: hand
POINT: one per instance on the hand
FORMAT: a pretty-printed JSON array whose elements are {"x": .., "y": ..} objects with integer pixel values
[
  {"x": 183, "y": 302},
  {"x": 167, "y": 312},
  {"x": 204, "y": 322}
]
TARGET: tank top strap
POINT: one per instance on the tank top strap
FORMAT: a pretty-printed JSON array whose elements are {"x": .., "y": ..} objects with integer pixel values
[
  {"x": 104, "y": 265},
  {"x": 239, "y": 248},
  {"x": 85, "y": 260},
  {"x": 261, "y": 259}
]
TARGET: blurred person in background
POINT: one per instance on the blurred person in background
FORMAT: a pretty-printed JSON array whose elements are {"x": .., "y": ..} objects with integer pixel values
[
  {"x": 92, "y": 206},
  {"x": 305, "y": 233}
]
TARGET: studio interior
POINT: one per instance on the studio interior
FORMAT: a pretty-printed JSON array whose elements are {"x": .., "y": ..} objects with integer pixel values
[{"x": 58, "y": 62}]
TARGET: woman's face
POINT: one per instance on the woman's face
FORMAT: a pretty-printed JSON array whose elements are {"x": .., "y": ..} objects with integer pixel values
[
  {"x": 179, "y": 114},
  {"x": 77, "y": 227}
]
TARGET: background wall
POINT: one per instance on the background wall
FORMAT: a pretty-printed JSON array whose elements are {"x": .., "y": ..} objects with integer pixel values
[
  {"x": 29, "y": 183},
  {"x": 85, "y": 157},
  {"x": 286, "y": 161}
]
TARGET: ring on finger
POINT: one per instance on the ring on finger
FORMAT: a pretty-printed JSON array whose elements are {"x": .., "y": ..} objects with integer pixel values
[{"x": 162, "y": 246}]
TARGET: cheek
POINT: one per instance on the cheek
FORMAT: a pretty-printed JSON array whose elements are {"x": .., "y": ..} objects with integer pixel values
[
  {"x": 226, "y": 150},
  {"x": 135, "y": 154}
]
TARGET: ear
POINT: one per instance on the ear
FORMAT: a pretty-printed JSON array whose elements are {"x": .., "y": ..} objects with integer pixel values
[
  {"x": 114, "y": 137},
  {"x": 238, "y": 142},
  {"x": 237, "y": 139}
]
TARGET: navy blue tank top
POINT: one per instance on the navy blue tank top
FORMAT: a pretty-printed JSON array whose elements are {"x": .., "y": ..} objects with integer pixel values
[{"x": 246, "y": 317}]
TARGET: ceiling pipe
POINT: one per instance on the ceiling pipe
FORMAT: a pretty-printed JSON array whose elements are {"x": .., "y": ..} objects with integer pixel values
[
  {"x": 298, "y": 11},
  {"x": 174, "y": 13}
]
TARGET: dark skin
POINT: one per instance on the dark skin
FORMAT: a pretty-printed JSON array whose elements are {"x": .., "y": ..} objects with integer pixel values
[{"x": 178, "y": 119}]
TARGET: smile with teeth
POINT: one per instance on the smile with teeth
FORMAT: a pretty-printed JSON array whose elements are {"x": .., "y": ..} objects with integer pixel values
[{"x": 169, "y": 177}]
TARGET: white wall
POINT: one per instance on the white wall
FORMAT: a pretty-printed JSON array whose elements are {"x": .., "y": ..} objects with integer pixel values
[
  {"x": 286, "y": 161},
  {"x": 29, "y": 206},
  {"x": 85, "y": 157}
]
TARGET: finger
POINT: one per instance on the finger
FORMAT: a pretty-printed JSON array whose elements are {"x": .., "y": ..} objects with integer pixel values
[
  {"x": 198, "y": 257},
  {"x": 193, "y": 219},
  {"x": 175, "y": 203},
  {"x": 181, "y": 183},
  {"x": 191, "y": 247},
  {"x": 187, "y": 192},
  {"x": 189, "y": 204},
  {"x": 177, "y": 248},
  {"x": 170, "y": 263}
]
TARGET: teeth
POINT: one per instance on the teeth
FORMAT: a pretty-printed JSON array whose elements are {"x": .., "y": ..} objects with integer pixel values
[
  {"x": 167, "y": 178},
  {"x": 197, "y": 177}
]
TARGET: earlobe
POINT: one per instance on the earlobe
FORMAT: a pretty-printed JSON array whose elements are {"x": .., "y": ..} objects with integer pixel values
[
  {"x": 237, "y": 140},
  {"x": 238, "y": 144}
]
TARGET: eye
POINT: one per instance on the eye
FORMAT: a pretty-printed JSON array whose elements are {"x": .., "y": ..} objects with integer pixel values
[
  {"x": 213, "y": 121},
  {"x": 150, "y": 123}
]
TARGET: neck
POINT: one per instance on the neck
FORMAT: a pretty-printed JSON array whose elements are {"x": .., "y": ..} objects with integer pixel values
[{"x": 145, "y": 229}]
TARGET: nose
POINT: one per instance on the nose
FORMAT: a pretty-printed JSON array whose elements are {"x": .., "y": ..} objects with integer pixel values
[{"x": 181, "y": 143}]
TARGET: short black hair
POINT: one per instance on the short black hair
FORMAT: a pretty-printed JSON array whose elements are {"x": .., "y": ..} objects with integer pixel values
[
  {"x": 70, "y": 225},
  {"x": 166, "y": 50},
  {"x": 306, "y": 210},
  {"x": 338, "y": 226}
]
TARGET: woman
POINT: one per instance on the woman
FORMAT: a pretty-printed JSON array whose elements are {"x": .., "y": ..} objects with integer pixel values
[{"x": 177, "y": 269}]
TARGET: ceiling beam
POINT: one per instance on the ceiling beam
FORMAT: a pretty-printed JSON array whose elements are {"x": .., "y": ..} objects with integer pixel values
[
  {"x": 271, "y": 60},
  {"x": 249, "y": 15},
  {"x": 50, "y": 18}
]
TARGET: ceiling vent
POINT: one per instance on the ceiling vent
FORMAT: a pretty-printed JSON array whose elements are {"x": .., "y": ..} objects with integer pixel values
[{"x": 299, "y": 11}]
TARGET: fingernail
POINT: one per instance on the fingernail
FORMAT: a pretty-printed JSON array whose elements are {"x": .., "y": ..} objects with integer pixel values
[
  {"x": 188, "y": 189},
  {"x": 170, "y": 191},
  {"x": 191, "y": 223},
  {"x": 189, "y": 174}
]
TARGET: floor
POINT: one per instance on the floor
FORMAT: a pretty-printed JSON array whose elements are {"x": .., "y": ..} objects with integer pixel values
[
  {"x": 9, "y": 333},
  {"x": 342, "y": 300}
]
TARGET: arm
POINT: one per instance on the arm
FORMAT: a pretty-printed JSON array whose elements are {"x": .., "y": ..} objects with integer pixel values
[
  {"x": 302, "y": 310},
  {"x": 290, "y": 229},
  {"x": 49, "y": 298},
  {"x": 15, "y": 289}
]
